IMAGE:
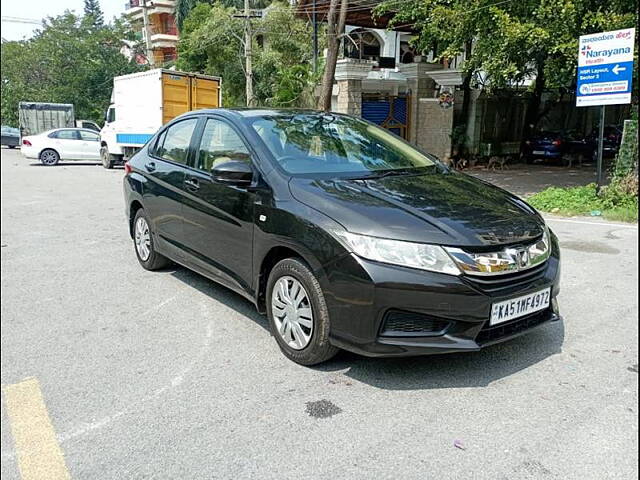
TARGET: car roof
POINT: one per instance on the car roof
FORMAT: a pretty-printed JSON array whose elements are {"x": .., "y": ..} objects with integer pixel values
[
  {"x": 70, "y": 128},
  {"x": 246, "y": 112}
]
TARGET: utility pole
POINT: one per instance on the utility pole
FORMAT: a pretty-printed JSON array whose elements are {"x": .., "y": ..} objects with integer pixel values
[
  {"x": 600, "y": 145},
  {"x": 147, "y": 34},
  {"x": 248, "y": 37},
  {"x": 247, "y": 55}
]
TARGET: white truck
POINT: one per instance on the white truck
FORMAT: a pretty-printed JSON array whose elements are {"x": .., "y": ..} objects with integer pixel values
[
  {"x": 142, "y": 102},
  {"x": 38, "y": 117}
]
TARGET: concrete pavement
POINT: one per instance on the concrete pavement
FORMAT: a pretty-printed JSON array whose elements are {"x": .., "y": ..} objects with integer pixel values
[{"x": 168, "y": 375}]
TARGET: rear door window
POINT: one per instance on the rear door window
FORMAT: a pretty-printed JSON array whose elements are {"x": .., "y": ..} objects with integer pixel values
[
  {"x": 65, "y": 135},
  {"x": 173, "y": 143}
]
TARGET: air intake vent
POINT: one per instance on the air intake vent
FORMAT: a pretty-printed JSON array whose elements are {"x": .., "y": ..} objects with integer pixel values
[
  {"x": 490, "y": 334},
  {"x": 408, "y": 324}
]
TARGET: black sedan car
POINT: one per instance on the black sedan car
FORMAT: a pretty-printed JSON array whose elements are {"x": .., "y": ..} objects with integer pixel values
[
  {"x": 10, "y": 136},
  {"x": 342, "y": 233}
]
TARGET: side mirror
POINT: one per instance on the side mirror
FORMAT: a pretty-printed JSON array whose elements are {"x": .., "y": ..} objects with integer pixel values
[{"x": 233, "y": 173}]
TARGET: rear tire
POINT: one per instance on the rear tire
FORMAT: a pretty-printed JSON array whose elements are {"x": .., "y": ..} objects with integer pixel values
[
  {"x": 49, "y": 157},
  {"x": 107, "y": 159},
  {"x": 143, "y": 243},
  {"x": 306, "y": 308}
]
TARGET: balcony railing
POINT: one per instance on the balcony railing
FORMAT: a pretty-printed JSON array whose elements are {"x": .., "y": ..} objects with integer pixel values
[{"x": 163, "y": 30}]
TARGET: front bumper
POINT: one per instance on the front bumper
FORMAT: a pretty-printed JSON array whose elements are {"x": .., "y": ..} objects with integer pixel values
[{"x": 361, "y": 295}]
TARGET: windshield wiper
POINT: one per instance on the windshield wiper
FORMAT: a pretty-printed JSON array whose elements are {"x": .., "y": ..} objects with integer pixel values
[{"x": 384, "y": 173}]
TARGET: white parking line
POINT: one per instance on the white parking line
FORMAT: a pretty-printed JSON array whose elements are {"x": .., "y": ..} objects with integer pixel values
[{"x": 602, "y": 224}]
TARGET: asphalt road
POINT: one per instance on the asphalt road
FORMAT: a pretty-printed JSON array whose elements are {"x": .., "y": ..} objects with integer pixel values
[{"x": 167, "y": 375}]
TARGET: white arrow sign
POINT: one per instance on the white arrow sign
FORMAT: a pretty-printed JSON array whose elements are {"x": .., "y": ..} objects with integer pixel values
[{"x": 617, "y": 69}]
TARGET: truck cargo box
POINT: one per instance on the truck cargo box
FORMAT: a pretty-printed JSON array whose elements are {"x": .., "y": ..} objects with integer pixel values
[
  {"x": 142, "y": 102},
  {"x": 35, "y": 117}
]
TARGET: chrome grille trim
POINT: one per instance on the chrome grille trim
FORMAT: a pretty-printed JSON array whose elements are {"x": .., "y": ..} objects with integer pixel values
[{"x": 505, "y": 261}]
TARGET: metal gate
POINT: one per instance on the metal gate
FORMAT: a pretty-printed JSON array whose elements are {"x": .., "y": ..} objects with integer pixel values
[{"x": 390, "y": 112}]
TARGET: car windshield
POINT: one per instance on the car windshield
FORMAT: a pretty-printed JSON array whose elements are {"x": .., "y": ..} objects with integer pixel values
[
  {"x": 10, "y": 130},
  {"x": 314, "y": 143}
]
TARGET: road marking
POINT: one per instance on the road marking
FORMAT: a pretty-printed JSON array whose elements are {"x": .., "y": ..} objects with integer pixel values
[
  {"x": 602, "y": 224},
  {"x": 39, "y": 454}
]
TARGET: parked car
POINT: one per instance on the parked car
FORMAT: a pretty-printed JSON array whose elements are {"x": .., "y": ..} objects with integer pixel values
[
  {"x": 549, "y": 145},
  {"x": 62, "y": 144},
  {"x": 10, "y": 136},
  {"x": 342, "y": 233},
  {"x": 588, "y": 145},
  {"x": 545, "y": 145}
]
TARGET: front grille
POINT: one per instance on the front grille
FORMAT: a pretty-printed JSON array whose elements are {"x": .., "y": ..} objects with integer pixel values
[
  {"x": 500, "y": 283},
  {"x": 397, "y": 323},
  {"x": 491, "y": 333}
]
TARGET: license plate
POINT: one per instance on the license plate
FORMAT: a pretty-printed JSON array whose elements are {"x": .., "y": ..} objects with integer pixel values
[
  {"x": 520, "y": 306},
  {"x": 538, "y": 152}
]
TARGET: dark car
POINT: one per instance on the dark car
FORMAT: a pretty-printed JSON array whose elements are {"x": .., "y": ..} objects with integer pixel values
[
  {"x": 342, "y": 233},
  {"x": 10, "y": 136},
  {"x": 589, "y": 144},
  {"x": 545, "y": 145}
]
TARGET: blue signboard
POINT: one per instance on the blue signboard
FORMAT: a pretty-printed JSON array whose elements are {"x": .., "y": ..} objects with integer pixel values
[{"x": 605, "y": 68}]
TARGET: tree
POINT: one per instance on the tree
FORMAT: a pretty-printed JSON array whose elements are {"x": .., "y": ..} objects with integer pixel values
[
  {"x": 212, "y": 41},
  {"x": 512, "y": 41},
  {"x": 335, "y": 28},
  {"x": 67, "y": 61},
  {"x": 184, "y": 7},
  {"x": 93, "y": 12}
]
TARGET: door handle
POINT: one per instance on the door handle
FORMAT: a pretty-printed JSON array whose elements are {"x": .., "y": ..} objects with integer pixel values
[
  {"x": 151, "y": 166},
  {"x": 192, "y": 184}
]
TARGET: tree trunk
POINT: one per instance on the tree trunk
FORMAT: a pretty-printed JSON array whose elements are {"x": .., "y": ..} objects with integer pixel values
[
  {"x": 532, "y": 117},
  {"x": 334, "y": 30},
  {"x": 466, "y": 92}
]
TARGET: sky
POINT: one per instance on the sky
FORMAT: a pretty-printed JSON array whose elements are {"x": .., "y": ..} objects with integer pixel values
[{"x": 38, "y": 9}]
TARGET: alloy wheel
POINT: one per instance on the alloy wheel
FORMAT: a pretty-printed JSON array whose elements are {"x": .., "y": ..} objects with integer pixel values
[
  {"x": 143, "y": 239},
  {"x": 48, "y": 158},
  {"x": 292, "y": 314}
]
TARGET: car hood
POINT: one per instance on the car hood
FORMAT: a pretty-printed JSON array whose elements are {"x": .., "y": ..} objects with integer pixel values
[{"x": 444, "y": 208}]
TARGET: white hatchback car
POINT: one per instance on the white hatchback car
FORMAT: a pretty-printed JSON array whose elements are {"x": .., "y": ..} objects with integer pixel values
[{"x": 62, "y": 144}]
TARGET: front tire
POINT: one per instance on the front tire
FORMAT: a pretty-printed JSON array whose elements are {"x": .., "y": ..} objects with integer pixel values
[
  {"x": 143, "y": 243},
  {"x": 49, "y": 157},
  {"x": 107, "y": 159},
  {"x": 298, "y": 313}
]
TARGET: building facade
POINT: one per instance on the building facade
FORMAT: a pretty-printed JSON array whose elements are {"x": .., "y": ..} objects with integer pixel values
[
  {"x": 155, "y": 22},
  {"x": 381, "y": 78}
]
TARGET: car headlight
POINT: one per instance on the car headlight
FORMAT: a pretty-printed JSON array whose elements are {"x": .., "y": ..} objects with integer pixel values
[{"x": 396, "y": 252}]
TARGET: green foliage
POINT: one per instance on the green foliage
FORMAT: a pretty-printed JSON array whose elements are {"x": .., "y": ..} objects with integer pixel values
[
  {"x": 615, "y": 201},
  {"x": 67, "y": 61},
  {"x": 93, "y": 13},
  {"x": 211, "y": 42},
  {"x": 512, "y": 39},
  {"x": 627, "y": 158},
  {"x": 459, "y": 136},
  {"x": 183, "y": 7}
]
